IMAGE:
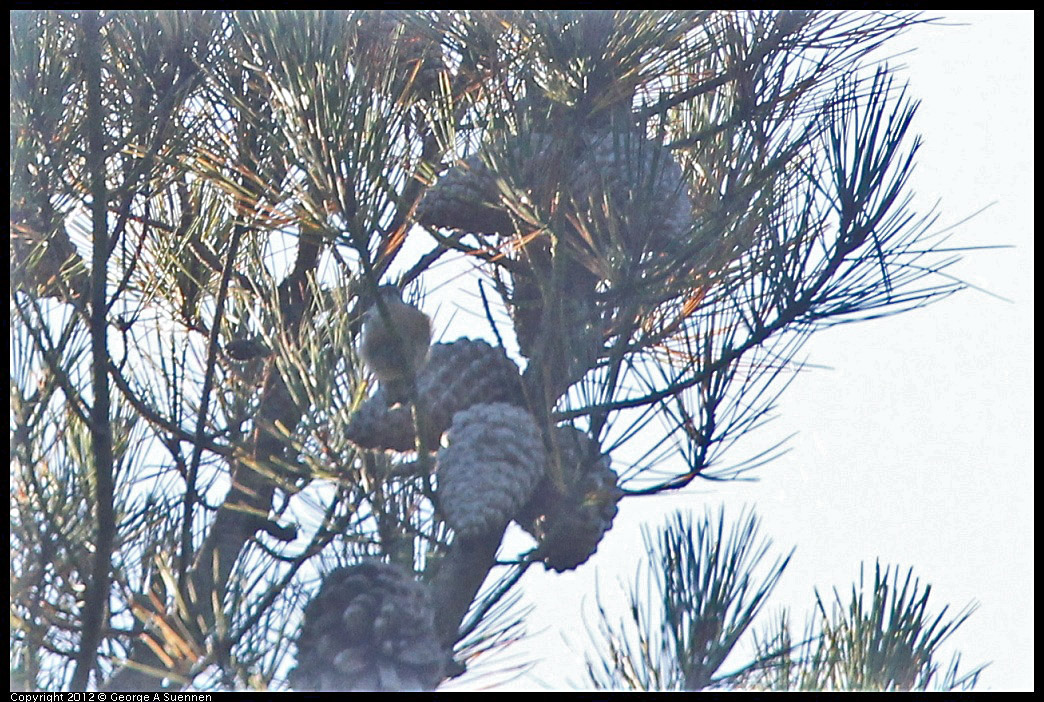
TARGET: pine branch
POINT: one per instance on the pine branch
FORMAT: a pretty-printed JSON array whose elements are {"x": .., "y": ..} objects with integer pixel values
[{"x": 97, "y": 595}]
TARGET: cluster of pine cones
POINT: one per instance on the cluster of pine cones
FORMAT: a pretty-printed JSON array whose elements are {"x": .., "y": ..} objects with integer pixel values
[
  {"x": 370, "y": 627},
  {"x": 495, "y": 463},
  {"x": 592, "y": 207}
]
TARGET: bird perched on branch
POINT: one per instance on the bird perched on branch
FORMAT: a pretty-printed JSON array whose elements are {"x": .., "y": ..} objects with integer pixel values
[
  {"x": 245, "y": 349},
  {"x": 395, "y": 343}
]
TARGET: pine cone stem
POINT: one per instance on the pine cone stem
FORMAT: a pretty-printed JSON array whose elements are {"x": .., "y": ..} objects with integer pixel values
[{"x": 460, "y": 575}]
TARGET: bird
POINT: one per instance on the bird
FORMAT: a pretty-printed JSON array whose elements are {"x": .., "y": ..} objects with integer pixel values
[
  {"x": 395, "y": 346},
  {"x": 244, "y": 349}
]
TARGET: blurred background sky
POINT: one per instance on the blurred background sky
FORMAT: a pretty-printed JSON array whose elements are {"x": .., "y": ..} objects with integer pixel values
[{"x": 913, "y": 435}]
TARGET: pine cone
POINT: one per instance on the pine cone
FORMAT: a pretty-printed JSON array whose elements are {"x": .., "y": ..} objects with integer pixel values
[
  {"x": 570, "y": 526},
  {"x": 645, "y": 189},
  {"x": 377, "y": 426},
  {"x": 576, "y": 336},
  {"x": 618, "y": 191},
  {"x": 467, "y": 197},
  {"x": 370, "y": 628},
  {"x": 644, "y": 186},
  {"x": 456, "y": 376},
  {"x": 493, "y": 461},
  {"x": 465, "y": 373},
  {"x": 462, "y": 200}
]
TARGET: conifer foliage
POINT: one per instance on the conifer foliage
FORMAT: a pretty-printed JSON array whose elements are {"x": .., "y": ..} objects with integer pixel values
[{"x": 651, "y": 209}]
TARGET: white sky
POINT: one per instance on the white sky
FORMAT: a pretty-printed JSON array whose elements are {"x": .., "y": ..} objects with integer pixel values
[{"x": 915, "y": 442}]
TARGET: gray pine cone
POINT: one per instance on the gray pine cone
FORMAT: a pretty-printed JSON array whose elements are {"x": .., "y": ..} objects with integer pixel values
[
  {"x": 639, "y": 179},
  {"x": 490, "y": 467},
  {"x": 624, "y": 198},
  {"x": 456, "y": 376},
  {"x": 462, "y": 374},
  {"x": 370, "y": 628},
  {"x": 576, "y": 327},
  {"x": 570, "y": 526}
]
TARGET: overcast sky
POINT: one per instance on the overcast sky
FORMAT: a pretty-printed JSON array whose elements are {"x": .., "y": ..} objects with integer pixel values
[{"x": 914, "y": 439}]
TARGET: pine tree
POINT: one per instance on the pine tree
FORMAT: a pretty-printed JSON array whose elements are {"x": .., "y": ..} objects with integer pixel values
[
  {"x": 695, "y": 600},
  {"x": 657, "y": 207}
]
